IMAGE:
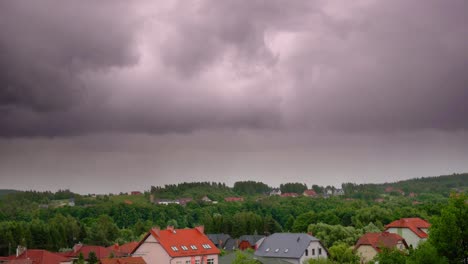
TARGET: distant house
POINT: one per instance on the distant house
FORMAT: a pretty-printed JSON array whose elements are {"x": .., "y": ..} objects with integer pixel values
[
  {"x": 234, "y": 199},
  {"x": 125, "y": 260},
  {"x": 370, "y": 244},
  {"x": 177, "y": 246},
  {"x": 136, "y": 193},
  {"x": 413, "y": 230},
  {"x": 184, "y": 201},
  {"x": 379, "y": 200},
  {"x": 38, "y": 256},
  {"x": 289, "y": 195},
  {"x": 219, "y": 240},
  {"x": 294, "y": 248},
  {"x": 167, "y": 202},
  {"x": 71, "y": 202},
  {"x": 101, "y": 252},
  {"x": 125, "y": 249},
  {"x": 338, "y": 192},
  {"x": 310, "y": 193},
  {"x": 249, "y": 241},
  {"x": 275, "y": 191},
  {"x": 206, "y": 199},
  {"x": 128, "y": 202}
]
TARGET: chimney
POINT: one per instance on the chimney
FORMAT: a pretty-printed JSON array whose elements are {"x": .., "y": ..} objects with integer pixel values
[
  {"x": 20, "y": 250},
  {"x": 309, "y": 233},
  {"x": 171, "y": 229},
  {"x": 156, "y": 230},
  {"x": 200, "y": 229}
]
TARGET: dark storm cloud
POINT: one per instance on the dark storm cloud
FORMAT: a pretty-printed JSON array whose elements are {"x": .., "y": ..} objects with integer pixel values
[{"x": 84, "y": 66}]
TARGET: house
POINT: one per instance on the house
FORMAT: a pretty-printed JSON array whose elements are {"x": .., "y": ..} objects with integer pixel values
[
  {"x": 291, "y": 247},
  {"x": 338, "y": 192},
  {"x": 184, "y": 201},
  {"x": 177, "y": 246},
  {"x": 125, "y": 260},
  {"x": 123, "y": 250},
  {"x": 219, "y": 240},
  {"x": 275, "y": 191},
  {"x": 413, "y": 230},
  {"x": 206, "y": 199},
  {"x": 231, "y": 244},
  {"x": 136, "y": 193},
  {"x": 289, "y": 195},
  {"x": 310, "y": 193},
  {"x": 101, "y": 252},
  {"x": 167, "y": 202},
  {"x": 234, "y": 199},
  {"x": 249, "y": 241},
  {"x": 38, "y": 256},
  {"x": 370, "y": 244}
]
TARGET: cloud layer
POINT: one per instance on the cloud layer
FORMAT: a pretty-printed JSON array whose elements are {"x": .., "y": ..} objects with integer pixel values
[{"x": 142, "y": 66}]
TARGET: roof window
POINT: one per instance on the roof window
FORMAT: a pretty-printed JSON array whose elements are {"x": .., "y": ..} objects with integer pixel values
[
  {"x": 193, "y": 247},
  {"x": 174, "y": 248},
  {"x": 184, "y": 248},
  {"x": 286, "y": 250},
  {"x": 268, "y": 249},
  {"x": 276, "y": 250}
]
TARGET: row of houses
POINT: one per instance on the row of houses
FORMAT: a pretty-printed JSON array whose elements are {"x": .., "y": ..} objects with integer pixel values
[
  {"x": 193, "y": 246},
  {"x": 308, "y": 193}
]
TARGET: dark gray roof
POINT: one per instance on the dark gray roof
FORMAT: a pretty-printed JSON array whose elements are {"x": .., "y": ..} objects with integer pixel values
[
  {"x": 217, "y": 238},
  {"x": 231, "y": 244},
  {"x": 252, "y": 239},
  {"x": 285, "y": 245}
]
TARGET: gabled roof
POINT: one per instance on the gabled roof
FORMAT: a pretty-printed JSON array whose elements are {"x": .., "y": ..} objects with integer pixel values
[
  {"x": 101, "y": 252},
  {"x": 252, "y": 239},
  {"x": 310, "y": 193},
  {"x": 414, "y": 224},
  {"x": 380, "y": 240},
  {"x": 182, "y": 242},
  {"x": 125, "y": 249},
  {"x": 289, "y": 245},
  {"x": 38, "y": 256},
  {"x": 127, "y": 260},
  {"x": 218, "y": 239}
]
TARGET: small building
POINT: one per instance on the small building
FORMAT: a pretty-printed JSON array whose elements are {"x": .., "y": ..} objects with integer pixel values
[
  {"x": 370, "y": 244},
  {"x": 338, "y": 192},
  {"x": 219, "y": 240},
  {"x": 177, "y": 246},
  {"x": 234, "y": 199},
  {"x": 275, "y": 191},
  {"x": 101, "y": 252},
  {"x": 167, "y": 201},
  {"x": 310, "y": 193},
  {"x": 125, "y": 260},
  {"x": 38, "y": 256},
  {"x": 136, "y": 193},
  {"x": 123, "y": 250},
  {"x": 249, "y": 241},
  {"x": 184, "y": 201},
  {"x": 292, "y": 247},
  {"x": 413, "y": 230},
  {"x": 205, "y": 199}
]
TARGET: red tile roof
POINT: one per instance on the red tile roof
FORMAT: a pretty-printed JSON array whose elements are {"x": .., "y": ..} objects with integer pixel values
[
  {"x": 187, "y": 238},
  {"x": 234, "y": 199},
  {"x": 380, "y": 240},
  {"x": 414, "y": 224},
  {"x": 127, "y": 260},
  {"x": 125, "y": 249},
  {"x": 289, "y": 195},
  {"x": 101, "y": 252},
  {"x": 310, "y": 193},
  {"x": 38, "y": 256}
]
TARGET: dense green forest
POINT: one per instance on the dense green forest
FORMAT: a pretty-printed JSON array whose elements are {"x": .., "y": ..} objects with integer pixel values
[{"x": 107, "y": 219}]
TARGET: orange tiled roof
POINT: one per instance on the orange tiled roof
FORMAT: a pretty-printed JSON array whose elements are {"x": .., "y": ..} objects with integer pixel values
[
  {"x": 414, "y": 224},
  {"x": 39, "y": 256},
  {"x": 186, "y": 242},
  {"x": 380, "y": 240}
]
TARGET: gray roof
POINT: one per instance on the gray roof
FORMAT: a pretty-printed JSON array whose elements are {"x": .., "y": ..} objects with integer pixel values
[
  {"x": 289, "y": 245},
  {"x": 252, "y": 239},
  {"x": 217, "y": 238},
  {"x": 231, "y": 244}
]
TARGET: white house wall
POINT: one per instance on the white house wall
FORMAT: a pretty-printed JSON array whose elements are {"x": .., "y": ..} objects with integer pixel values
[{"x": 411, "y": 238}]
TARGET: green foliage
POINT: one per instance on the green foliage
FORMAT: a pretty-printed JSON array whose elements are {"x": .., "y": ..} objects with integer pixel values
[
  {"x": 250, "y": 188},
  {"x": 303, "y": 221},
  {"x": 343, "y": 253},
  {"x": 425, "y": 253},
  {"x": 391, "y": 256},
  {"x": 92, "y": 258},
  {"x": 80, "y": 259},
  {"x": 449, "y": 231},
  {"x": 242, "y": 258},
  {"x": 320, "y": 261},
  {"x": 335, "y": 234},
  {"x": 298, "y": 188}
]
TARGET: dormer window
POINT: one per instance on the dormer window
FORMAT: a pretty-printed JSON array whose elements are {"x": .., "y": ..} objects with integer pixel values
[{"x": 174, "y": 248}]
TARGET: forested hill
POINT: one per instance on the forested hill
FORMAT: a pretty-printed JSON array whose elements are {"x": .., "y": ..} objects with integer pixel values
[{"x": 6, "y": 191}]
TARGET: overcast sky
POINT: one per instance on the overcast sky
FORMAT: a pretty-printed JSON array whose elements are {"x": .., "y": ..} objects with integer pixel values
[{"x": 110, "y": 96}]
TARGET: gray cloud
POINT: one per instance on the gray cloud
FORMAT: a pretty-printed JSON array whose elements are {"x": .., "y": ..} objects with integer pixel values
[{"x": 86, "y": 67}]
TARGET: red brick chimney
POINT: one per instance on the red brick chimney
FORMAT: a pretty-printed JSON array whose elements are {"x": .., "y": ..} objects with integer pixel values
[{"x": 156, "y": 230}]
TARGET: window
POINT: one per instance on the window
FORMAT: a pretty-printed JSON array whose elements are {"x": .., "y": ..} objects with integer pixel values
[
  {"x": 188, "y": 262},
  {"x": 174, "y": 248},
  {"x": 307, "y": 252},
  {"x": 210, "y": 261},
  {"x": 320, "y": 251},
  {"x": 276, "y": 250},
  {"x": 313, "y": 252},
  {"x": 197, "y": 261},
  {"x": 268, "y": 249},
  {"x": 193, "y": 247},
  {"x": 206, "y": 246},
  {"x": 179, "y": 262},
  {"x": 286, "y": 250},
  {"x": 184, "y": 248}
]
